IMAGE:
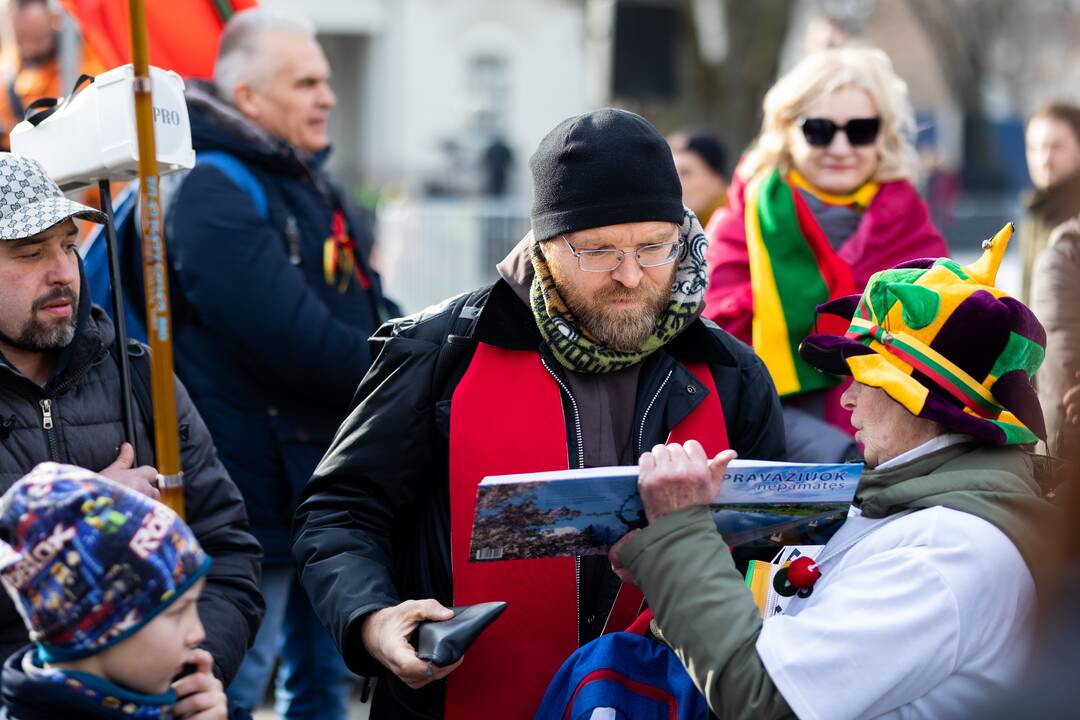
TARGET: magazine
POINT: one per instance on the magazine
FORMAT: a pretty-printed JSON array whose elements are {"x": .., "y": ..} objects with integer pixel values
[{"x": 584, "y": 512}]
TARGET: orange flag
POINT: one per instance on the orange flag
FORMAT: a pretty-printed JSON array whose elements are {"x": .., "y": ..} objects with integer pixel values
[{"x": 183, "y": 34}]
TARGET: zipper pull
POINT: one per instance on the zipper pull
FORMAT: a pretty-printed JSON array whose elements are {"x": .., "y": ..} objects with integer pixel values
[
  {"x": 46, "y": 414},
  {"x": 292, "y": 238}
]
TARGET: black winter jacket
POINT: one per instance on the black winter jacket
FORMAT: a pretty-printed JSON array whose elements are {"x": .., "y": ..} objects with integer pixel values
[
  {"x": 83, "y": 399},
  {"x": 270, "y": 353},
  {"x": 373, "y": 529}
]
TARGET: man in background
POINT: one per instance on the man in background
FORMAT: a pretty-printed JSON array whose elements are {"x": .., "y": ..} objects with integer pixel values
[
  {"x": 31, "y": 70},
  {"x": 273, "y": 306},
  {"x": 1053, "y": 157}
]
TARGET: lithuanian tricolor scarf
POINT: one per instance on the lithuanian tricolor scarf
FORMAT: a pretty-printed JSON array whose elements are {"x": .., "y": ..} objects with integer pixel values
[{"x": 793, "y": 269}]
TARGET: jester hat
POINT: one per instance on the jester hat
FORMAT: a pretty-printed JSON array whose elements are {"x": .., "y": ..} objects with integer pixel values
[{"x": 942, "y": 341}]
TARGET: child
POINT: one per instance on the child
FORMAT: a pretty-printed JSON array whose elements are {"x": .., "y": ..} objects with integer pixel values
[{"x": 107, "y": 582}]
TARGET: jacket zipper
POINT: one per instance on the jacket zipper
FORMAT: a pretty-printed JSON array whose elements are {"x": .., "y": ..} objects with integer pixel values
[
  {"x": 47, "y": 424},
  {"x": 581, "y": 464},
  {"x": 577, "y": 417},
  {"x": 645, "y": 415}
]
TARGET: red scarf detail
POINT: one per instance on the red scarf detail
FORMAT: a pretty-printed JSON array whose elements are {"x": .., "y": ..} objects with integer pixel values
[{"x": 507, "y": 417}]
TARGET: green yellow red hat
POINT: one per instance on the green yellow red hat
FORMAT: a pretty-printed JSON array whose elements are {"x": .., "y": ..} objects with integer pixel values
[{"x": 945, "y": 343}]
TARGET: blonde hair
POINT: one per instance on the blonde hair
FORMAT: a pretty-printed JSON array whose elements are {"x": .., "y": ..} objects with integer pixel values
[{"x": 822, "y": 74}]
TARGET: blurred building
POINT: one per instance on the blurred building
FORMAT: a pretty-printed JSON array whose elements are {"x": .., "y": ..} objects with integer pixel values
[{"x": 425, "y": 87}]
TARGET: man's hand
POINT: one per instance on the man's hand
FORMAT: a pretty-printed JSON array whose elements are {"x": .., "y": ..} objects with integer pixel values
[
  {"x": 386, "y": 635},
  {"x": 140, "y": 479},
  {"x": 200, "y": 695},
  {"x": 673, "y": 477},
  {"x": 617, "y": 566}
]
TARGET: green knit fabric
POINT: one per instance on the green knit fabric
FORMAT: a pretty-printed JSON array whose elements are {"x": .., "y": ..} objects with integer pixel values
[
  {"x": 573, "y": 346},
  {"x": 991, "y": 482}
]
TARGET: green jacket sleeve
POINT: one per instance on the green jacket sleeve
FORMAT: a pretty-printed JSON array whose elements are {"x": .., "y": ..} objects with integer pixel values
[{"x": 705, "y": 613}]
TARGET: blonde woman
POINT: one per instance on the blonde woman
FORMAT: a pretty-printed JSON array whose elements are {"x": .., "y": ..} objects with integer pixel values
[{"x": 821, "y": 201}]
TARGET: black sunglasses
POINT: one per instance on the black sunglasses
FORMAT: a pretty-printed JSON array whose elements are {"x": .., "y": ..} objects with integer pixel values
[{"x": 820, "y": 132}]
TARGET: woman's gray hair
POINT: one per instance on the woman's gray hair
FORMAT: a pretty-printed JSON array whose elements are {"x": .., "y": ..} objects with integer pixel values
[{"x": 242, "y": 54}]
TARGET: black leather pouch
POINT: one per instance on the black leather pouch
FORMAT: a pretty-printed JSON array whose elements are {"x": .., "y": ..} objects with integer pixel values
[{"x": 444, "y": 642}]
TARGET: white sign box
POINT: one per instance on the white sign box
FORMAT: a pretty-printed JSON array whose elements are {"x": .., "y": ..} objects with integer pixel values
[{"x": 93, "y": 136}]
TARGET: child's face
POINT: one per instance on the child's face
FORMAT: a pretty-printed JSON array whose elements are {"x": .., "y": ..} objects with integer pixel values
[{"x": 148, "y": 661}]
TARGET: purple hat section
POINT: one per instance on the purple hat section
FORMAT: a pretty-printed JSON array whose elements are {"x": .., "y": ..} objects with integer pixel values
[
  {"x": 917, "y": 264},
  {"x": 940, "y": 409},
  {"x": 842, "y": 306},
  {"x": 1015, "y": 391},
  {"x": 975, "y": 334},
  {"x": 829, "y": 353},
  {"x": 1023, "y": 322}
]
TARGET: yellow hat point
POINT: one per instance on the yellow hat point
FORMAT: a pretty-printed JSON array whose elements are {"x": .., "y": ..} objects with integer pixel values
[{"x": 984, "y": 271}]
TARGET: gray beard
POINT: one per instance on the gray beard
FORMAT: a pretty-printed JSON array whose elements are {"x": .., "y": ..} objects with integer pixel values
[
  {"x": 624, "y": 331},
  {"x": 36, "y": 336}
]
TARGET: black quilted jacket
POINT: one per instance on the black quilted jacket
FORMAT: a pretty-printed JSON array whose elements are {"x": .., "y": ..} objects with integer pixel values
[{"x": 82, "y": 399}]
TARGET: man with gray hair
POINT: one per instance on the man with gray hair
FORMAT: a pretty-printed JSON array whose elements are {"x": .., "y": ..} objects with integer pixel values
[{"x": 274, "y": 302}]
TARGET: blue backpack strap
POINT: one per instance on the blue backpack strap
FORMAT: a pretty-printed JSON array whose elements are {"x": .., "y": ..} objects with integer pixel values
[{"x": 231, "y": 167}]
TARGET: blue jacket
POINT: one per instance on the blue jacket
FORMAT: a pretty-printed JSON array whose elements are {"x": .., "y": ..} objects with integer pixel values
[{"x": 270, "y": 353}]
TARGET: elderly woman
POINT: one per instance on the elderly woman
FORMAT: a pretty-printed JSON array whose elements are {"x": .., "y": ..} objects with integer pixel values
[
  {"x": 924, "y": 600},
  {"x": 822, "y": 200}
]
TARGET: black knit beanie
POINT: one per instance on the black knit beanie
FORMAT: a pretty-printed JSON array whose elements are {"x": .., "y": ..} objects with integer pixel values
[{"x": 605, "y": 167}]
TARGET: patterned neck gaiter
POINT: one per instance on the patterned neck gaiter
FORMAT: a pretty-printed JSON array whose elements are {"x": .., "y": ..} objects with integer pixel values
[{"x": 576, "y": 349}]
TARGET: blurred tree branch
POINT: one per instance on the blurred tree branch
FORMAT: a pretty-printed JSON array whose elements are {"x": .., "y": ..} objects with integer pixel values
[
  {"x": 963, "y": 34},
  {"x": 725, "y": 98}
]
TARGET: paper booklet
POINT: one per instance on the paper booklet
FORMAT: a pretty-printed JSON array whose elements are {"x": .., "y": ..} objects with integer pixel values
[{"x": 584, "y": 512}]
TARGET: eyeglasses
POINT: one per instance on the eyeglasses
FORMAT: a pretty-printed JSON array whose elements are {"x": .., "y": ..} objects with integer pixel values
[
  {"x": 651, "y": 255},
  {"x": 819, "y": 132}
]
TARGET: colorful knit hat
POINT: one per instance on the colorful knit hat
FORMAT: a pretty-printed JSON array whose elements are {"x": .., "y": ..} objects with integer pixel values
[
  {"x": 945, "y": 343},
  {"x": 89, "y": 562}
]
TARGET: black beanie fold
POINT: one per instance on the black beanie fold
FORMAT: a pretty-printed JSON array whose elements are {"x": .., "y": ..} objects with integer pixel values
[
  {"x": 606, "y": 167},
  {"x": 560, "y": 222}
]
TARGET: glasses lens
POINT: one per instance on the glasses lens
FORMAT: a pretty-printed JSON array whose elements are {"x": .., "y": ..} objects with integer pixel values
[
  {"x": 658, "y": 254},
  {"x": 598, "y": 260},
  {"x": 818, "y": 132},
  {"x": 862, "y": 131}
]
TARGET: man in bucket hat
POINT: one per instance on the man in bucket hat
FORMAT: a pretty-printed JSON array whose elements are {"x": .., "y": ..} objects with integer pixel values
[
  {"x": 922, "y": 604},
  {"x": 60, "y": 401}
]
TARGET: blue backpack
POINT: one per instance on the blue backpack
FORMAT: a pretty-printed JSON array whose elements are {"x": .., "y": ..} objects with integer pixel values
[
  {"x": 125, "y": 220},
  {"x": 625, "y": 677}
]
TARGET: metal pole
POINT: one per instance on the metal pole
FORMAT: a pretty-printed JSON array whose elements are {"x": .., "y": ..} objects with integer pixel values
[
  {"x": 155, "y": 273},
  {"x": 116, "y": 285}
]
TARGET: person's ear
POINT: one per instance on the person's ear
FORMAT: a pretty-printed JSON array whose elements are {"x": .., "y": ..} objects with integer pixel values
[
  {"x": 544, "y": 246},
  {"x": 245, "y": 98}
]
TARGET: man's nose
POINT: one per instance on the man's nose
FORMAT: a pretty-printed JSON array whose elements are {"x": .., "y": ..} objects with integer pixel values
[
  {"x": 629, "y": 271},
  {"x": 64, "y": 270},
  {"x": 327, "y": 98},
  {"x": 847, "y": 398}
]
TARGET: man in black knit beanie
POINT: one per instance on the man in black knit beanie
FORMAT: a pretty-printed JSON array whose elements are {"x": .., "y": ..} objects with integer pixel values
[{"x": 588, "y": 351}]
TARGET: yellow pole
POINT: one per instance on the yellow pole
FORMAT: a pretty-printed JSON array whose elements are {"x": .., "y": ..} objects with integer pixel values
[{"x": 155, "y": 274}]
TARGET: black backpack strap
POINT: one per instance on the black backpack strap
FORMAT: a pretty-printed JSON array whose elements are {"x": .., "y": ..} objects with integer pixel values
[
  {"x": 464, "y": 324},
  {"x": 139, "y": 357}
]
